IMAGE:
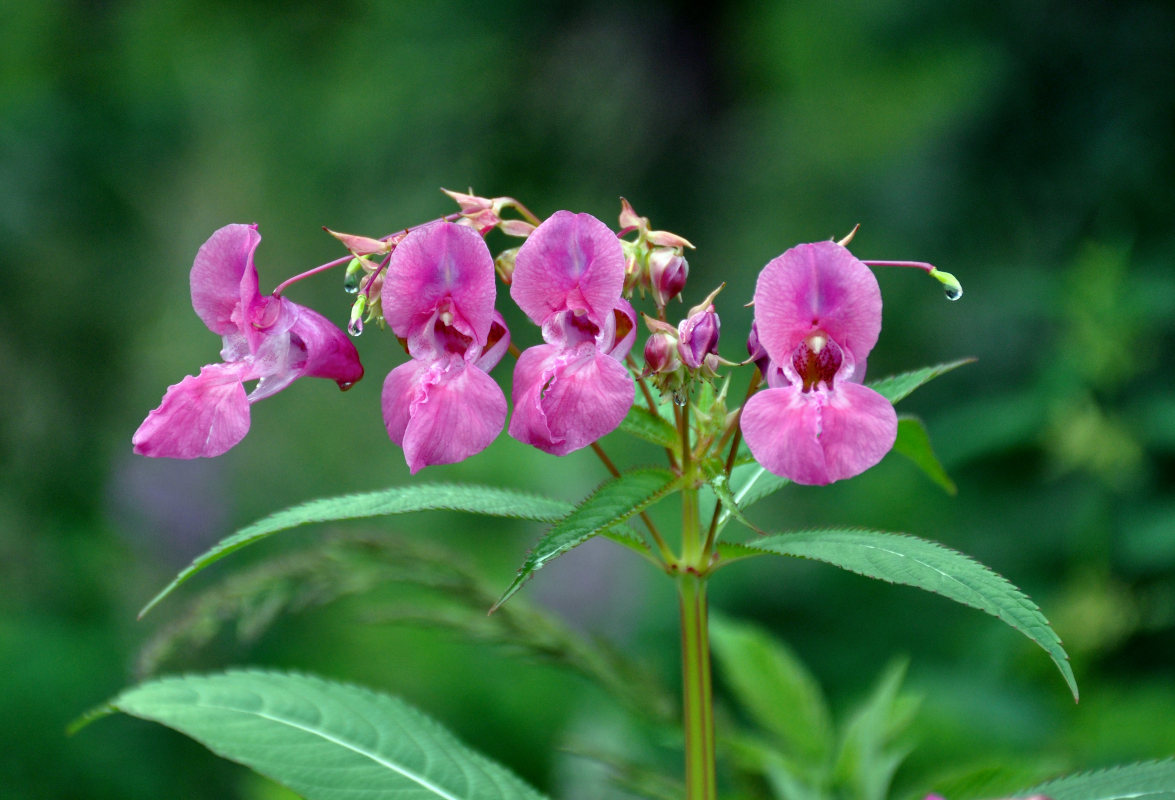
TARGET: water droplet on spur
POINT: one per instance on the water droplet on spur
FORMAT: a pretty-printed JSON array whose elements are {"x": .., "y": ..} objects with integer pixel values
[
  {"x": 953, "y": 292},
  {"x": 351, "y": 284},
  {"x": 680, "y": 397},
  {"x": 355, "y": 327}
]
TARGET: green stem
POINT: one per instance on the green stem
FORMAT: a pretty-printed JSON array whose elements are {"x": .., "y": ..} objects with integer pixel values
[{"x": 697, "y": 695}]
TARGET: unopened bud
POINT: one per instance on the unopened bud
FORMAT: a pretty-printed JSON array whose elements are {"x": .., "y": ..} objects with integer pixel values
[
  {"x": 504, "y": 264},
  {"x": 661, "y": 353},
  {"x": 698, "y": 337},
  {"x": 667, "y": 274}
]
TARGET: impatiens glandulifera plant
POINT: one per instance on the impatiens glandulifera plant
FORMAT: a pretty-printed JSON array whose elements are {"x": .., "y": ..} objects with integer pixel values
[{"x": 808, "y": 418}]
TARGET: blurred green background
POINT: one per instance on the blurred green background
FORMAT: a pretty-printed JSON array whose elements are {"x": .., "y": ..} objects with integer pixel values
[{"x": 1026, "y": 147}]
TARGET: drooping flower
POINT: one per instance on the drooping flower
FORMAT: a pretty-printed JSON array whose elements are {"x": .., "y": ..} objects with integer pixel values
[
  {"x": 817, "y": 316},
  {"x": 269, "y": 339},
  {"x": 568, "y": 278},
  {"x": 438, "y": 295}
]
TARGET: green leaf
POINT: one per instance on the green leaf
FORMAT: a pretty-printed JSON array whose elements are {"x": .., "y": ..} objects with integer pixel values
[
  {"x": 399, "y": 500},
  {"x": 914, "y": 443},
  {"x": 751, "y": 483},
  {"x": 896, "y": 387},
  {"x": 774, "y": 687},
  {"x": 907, "y": 560},
  {"x": 324, "y": 740},
  {"x": 720, "y": 485},
  {"x": 612, "y": 503},
  {"x": 644, "y": 424},
  {"x": 1152, "y": 780},
  {"x": 871, "y": 750}
]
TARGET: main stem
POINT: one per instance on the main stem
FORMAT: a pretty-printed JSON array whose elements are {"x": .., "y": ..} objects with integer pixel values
[{"x": 697, "y": 697}]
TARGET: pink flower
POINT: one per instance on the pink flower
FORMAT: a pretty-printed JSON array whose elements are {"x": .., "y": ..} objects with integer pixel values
[
  {"x": 271, "y": 340},
  {"x": 817, "y": 316},
  {"x": 438, "y": 295},
  {"x": 568, "y": 278}
]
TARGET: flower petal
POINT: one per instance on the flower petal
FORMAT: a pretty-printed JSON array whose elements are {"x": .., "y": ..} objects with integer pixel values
[
  {"x": 437, "y": 261},
  {"x": 200, "y": 416},
  {"x": 572, "y": 262},
  {"x": 818, "y": 437},
  {"x": 224, "y": 279},
  {"x": 565, "y": 399},
  {"x": 441, "y": 412},
  {"x": 818, "y": 286},
  {"x": 329, "y": 352}
]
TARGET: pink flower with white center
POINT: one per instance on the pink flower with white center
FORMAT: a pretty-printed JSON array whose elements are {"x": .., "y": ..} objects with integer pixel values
[
  {"x": 817, "y": 316},
  {"x": 568, "y": 278},
  {"x": 438, "y": 295},
  {"x": 271, "y": 340}
]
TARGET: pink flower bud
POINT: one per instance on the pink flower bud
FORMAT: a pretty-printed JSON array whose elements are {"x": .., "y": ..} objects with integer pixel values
[
  {"x": 667, "y": 274},
  {"x": 698, "y": 337},
  {"x": 661, "y": 353}
]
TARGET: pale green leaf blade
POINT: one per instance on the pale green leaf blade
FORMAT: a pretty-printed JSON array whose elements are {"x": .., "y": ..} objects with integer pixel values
[
  {"x": 720, "y": 485},
  {"x": 896, "y": 387},
  {"x": 323, "y": 740},
  {"x": 1151, "y": 780},
  {"x": 485, "y": 500},
  {"x": 751, "y": 483},
  {"x": 913, "y": 442},
  {"x": 644, "y": 424},
  {"x": 871, "y": 747},
  {"x": 774, "y": 687},
  {"x": 911, "y": 561},
  {"x": 612, "y": 503}
]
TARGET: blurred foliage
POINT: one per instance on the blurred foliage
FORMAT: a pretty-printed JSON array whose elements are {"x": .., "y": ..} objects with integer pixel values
[{"x": 1024, "y": 147}]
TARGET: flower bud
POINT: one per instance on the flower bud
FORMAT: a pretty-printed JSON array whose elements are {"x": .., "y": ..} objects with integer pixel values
[
  {"x": 698, "y": 337},
  {"x": 504, "y": 265},
  {"x": 661, "y": 353},
  {"x": 667, "y": 274}
]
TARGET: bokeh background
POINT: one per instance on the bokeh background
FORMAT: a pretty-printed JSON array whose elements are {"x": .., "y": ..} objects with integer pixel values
[{"x": 1025, "y": 147}]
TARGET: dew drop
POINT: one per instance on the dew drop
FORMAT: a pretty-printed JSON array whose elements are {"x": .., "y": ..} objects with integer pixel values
[
  {"x": 355, "y": 327},
  {"x": 680, "y": 397},
  {"x": 351, "y": 283},
  {"x": 953, "y": 292}
]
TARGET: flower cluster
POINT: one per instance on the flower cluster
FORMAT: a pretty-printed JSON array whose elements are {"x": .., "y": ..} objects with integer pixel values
[{"x": 817, "y": 315}]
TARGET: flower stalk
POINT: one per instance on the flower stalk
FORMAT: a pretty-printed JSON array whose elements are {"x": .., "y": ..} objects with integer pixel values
[{"x": 697, "y": 694}]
